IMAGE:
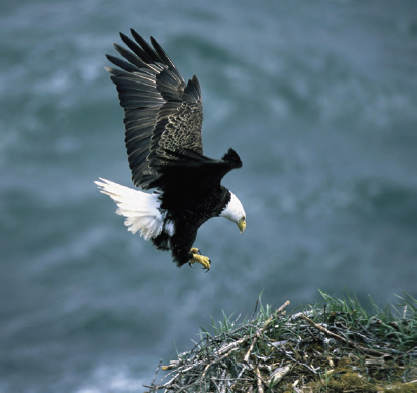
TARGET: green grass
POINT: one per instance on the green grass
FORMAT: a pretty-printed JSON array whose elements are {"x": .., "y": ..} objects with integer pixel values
[{"x": 394, "y": 324}]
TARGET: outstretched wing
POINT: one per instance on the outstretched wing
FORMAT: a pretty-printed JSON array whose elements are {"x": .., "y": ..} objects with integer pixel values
[{"x": 163, "y": 114}]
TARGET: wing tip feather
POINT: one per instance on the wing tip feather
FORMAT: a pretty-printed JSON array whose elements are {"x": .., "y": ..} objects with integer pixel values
[{"x": 232, "y": 158}]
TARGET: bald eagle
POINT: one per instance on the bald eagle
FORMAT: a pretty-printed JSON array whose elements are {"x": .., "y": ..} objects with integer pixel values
[{"x": 163, "y": 120}]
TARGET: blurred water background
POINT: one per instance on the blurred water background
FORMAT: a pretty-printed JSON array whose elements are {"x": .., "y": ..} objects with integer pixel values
[{"x": 319, "y": 98}]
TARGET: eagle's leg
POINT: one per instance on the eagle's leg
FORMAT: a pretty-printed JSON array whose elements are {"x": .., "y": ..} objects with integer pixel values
[{"x": 197, "y": 258}]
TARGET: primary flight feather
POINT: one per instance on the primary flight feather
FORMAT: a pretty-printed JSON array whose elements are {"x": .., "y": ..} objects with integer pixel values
[{"x": 163, "y": 121}]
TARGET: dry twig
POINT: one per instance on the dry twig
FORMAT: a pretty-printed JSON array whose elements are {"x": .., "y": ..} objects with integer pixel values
[{"x": 345, "y": 340}]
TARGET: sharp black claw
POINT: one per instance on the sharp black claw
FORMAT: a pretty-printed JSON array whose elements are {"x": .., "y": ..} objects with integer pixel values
[
  {"x": 190, "y": 265},
  {"x": 199, "y": 252}
]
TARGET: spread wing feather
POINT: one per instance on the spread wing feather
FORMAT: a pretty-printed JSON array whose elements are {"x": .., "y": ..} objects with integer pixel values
[{"x": 163, "y": 114}]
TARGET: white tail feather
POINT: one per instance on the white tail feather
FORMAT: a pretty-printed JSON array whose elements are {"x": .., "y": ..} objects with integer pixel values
[{"x": 140, "y": 209}]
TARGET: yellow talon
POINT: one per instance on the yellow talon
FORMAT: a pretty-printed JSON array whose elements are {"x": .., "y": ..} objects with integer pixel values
[
  {"x": 200, "y": 259},
  {"x": 195, "y": 250}
]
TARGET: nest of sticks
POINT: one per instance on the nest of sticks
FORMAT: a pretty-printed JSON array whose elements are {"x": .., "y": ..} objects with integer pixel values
[{"x": 340, "y": 349}]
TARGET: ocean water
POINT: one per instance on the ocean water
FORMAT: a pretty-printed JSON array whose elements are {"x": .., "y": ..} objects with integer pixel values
[{"x": 319, "y": 98}]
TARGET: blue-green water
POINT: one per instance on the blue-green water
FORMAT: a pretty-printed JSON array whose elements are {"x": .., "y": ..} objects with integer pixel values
[{"x": 319, "y": 98}]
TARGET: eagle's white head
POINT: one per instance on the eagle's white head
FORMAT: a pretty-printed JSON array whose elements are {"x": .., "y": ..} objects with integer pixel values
[{"x": 235, "y": 212}]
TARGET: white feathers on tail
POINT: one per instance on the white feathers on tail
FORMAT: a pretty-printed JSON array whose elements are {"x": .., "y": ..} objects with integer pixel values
[{"x": 140, "y": 209}]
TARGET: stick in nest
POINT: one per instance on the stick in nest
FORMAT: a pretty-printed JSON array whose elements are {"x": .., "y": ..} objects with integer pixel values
[
  {"x": 259, "y": 381},
  {"x": 342, "y": 339},
  {"x": 265, "y": 325}
]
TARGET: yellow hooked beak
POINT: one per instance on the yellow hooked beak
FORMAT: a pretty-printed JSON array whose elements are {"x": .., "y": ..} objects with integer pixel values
[{"x": 242, "y": 225}]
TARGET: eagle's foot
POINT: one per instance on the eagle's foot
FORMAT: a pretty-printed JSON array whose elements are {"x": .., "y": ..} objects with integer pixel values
[{"x": 201, "y": 259}]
